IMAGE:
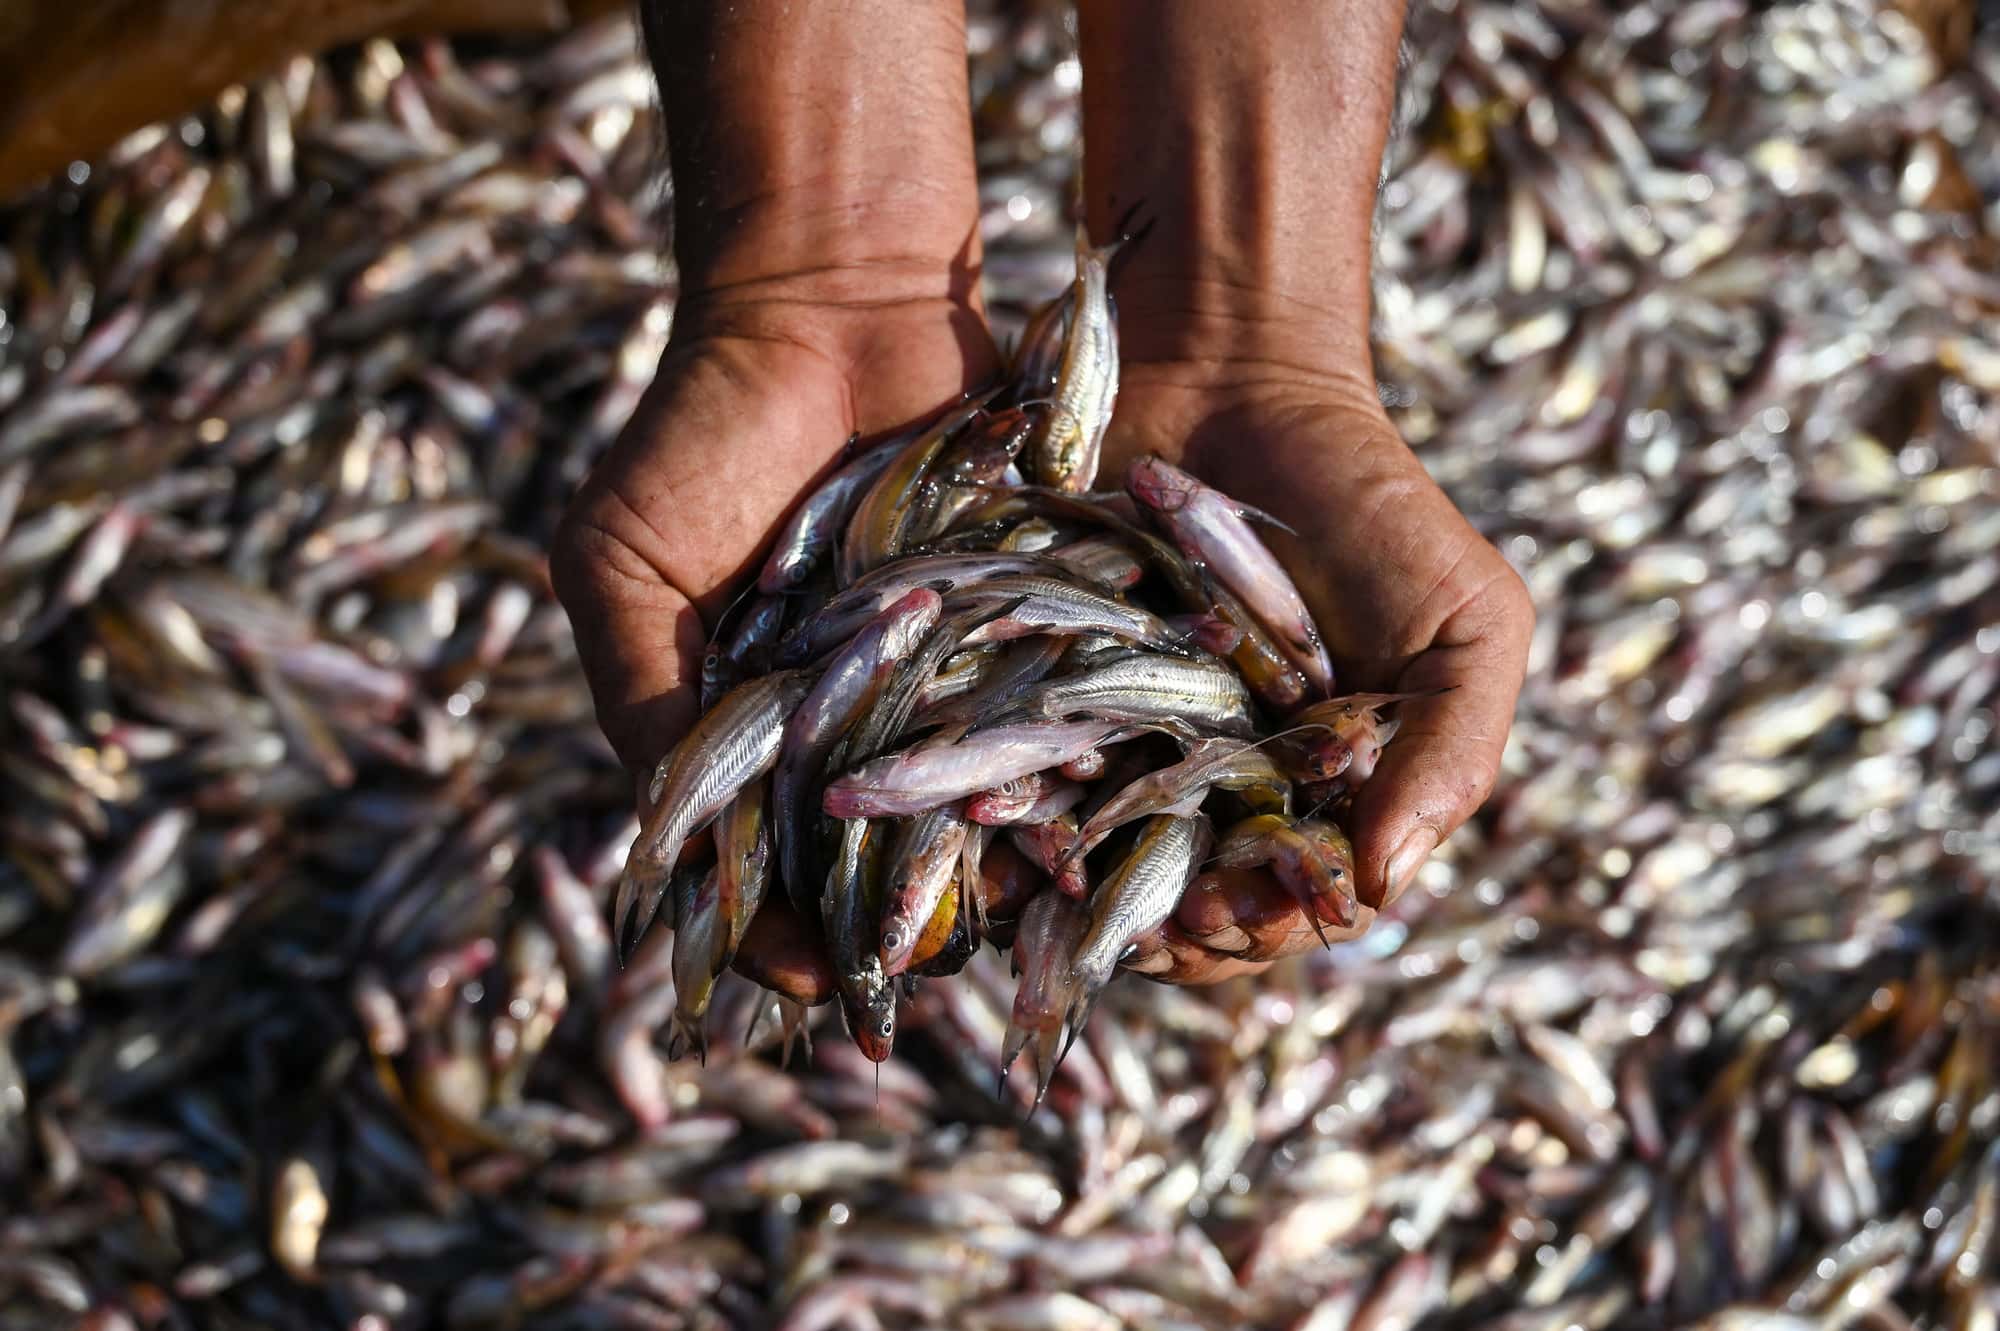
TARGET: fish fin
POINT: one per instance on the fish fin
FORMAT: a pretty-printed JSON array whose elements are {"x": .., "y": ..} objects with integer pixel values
[
  {"x": 1253, "y": 514},
  {"x": 637, "y": 904},
  {"x": 1078, "y": 1014},
  {"x": 621, "y": 913},
  {"x": 1011, "y": 1046},
  {"x": 757, "y": 1015},
  {"x": 1011, "y": 715},
  {"x": 794, "y": 1016},
  {"x": 685, "y": 1033},
  {"x": 979, "y": 617}
]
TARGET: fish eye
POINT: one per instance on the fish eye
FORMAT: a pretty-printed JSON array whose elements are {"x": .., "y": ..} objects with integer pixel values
[
  {"x": 892, "y": 940},
  {"x": 888, "y": 1028}
]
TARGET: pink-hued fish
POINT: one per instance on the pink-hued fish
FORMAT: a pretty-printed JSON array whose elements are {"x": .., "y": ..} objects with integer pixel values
[
  {"x": 940, "y": 771},
  {"x": 1034, "y": 798},
  {"x": 1045, "y": 941},
  {"x": 1215, "y": 529}
]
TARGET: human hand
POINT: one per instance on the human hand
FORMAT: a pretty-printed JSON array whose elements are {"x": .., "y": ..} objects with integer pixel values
[
  {"x": 829, "y": 267},
  {"x": 1408, "y": 597},
  {"x": 1252, "y": 140}
]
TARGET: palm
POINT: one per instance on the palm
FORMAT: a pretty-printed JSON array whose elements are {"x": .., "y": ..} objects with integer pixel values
[
  {"x": 736, "y": 428},
  {"x": 1406, "y": 594},
  {"x": 733, "y": 431}
]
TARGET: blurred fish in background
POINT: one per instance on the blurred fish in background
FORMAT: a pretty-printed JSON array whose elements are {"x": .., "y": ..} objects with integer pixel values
[{"x": 308, "y": 1009}]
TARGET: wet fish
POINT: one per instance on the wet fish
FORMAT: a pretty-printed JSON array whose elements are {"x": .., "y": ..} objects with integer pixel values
[
  {"x": 1067, "y": 444},
  {"x": 940, "y": 771},
  {"x": 1215, "y": 530},
  {"x": 923, "y": 862},
  {"x": 1132, "y": 900},
  {"x": 731, "y": 746}
]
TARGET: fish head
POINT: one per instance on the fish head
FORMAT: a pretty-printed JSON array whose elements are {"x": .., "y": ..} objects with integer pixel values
[
  {"x": 1159, "y": 484},
  {"x": 900, "y": 934},
  {"x": 907, "y": 622},
  {"x": 874, "y": 1025}
]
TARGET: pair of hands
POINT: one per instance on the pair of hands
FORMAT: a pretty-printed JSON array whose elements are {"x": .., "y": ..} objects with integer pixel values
[{"x": 851, "y": 305}]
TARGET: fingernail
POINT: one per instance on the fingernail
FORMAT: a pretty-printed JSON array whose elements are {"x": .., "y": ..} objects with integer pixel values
[
  {"x": 1403, "y": 865},
  {"x": 1151, "y": 964},
  {"x": 1228, "y": 939}
]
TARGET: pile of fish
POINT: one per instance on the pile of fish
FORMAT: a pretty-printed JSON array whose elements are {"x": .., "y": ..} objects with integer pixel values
[
  {"x": 309, "y": 1010},
  {"x": 939, "y": 650}
]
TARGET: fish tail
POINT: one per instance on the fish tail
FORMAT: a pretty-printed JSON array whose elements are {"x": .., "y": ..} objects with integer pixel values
[
  {"x": 640, "y": 890},
  {"x": 1077, "y": 1015},
  {"x": 684, "y": 1033},
  {"x": 793, "y": 1016}
]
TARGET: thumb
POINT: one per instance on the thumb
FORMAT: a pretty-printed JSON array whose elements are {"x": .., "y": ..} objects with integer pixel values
[{"x": 1446, "y": 754}]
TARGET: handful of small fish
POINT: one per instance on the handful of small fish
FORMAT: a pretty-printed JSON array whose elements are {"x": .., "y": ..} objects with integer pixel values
[
  {"x": 941, "y": 651},
  {"x": 309, "y": 1008}
]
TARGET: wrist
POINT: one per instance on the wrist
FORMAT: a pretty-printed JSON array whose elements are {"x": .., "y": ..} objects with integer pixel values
[
  {"x": 1250, "y": 138},
  {"x": 803, "y": 172}
]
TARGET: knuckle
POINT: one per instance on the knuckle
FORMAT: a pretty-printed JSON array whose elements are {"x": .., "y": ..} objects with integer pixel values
[{"x": 1516, "y": 605}]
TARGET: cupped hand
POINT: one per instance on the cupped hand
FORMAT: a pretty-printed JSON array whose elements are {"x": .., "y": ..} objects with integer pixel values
[
  {"x": 762, "y": 384},
  {"x": 1408, "y": 597}
]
